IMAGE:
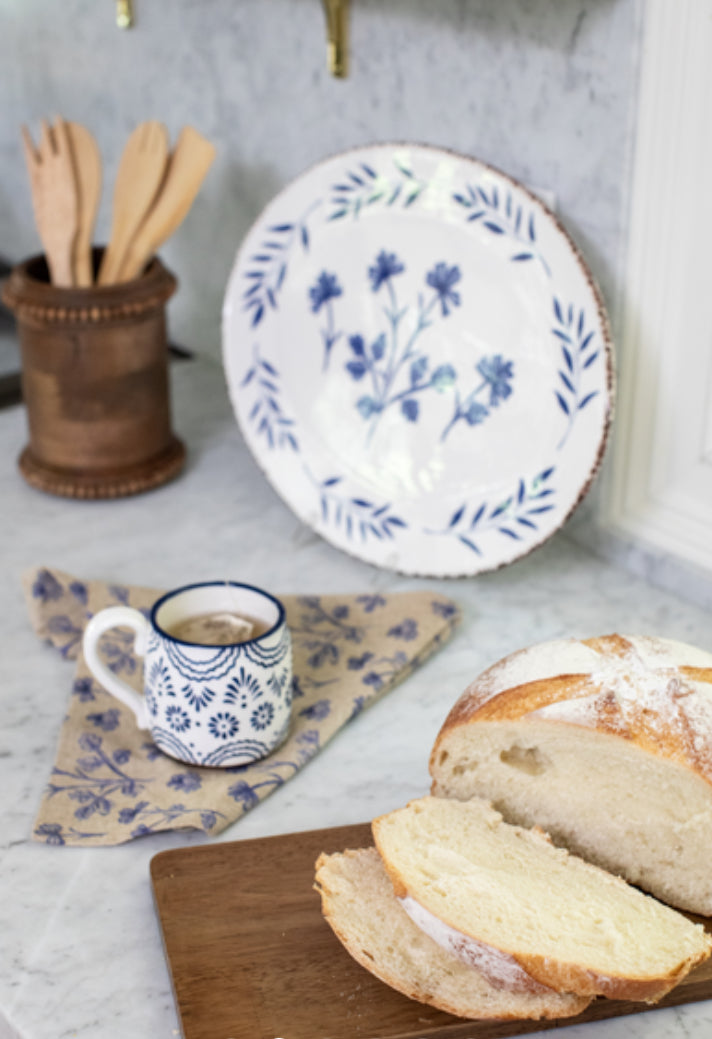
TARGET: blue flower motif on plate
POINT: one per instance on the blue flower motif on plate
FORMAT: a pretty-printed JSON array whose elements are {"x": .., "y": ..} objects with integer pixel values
[
  {"x": 385, "y": 266},
  {"x": 321, "y": 294},
  {"x": 393, "y": 362},
  {"x": 496, "y": 375},
  {"x": 326, "y": 288},
  {"x": 443, "y": 279}
]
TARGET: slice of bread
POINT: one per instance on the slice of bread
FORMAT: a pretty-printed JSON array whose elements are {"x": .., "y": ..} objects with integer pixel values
[
  {"x": 471, "y": 880},
  {"x": 359, "y": 904},
  {"x": 606, "y": 743}
]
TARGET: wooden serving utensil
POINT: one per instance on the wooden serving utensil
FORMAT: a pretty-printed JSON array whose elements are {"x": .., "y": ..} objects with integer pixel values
[
  {"x": 54, "y": 197},
  {"x": 139, "y": 178},
  {"x": 189, "y": 163},
  {"x": 87, "y": 168}
]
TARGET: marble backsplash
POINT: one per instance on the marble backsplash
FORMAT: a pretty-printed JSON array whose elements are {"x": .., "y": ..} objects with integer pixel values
[{"x": 544, "y": 89}]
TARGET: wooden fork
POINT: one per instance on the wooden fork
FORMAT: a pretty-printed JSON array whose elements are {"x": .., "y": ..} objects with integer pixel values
[
  {"x": 54, "y": 197},
  {"x": 139, "y": 178}
]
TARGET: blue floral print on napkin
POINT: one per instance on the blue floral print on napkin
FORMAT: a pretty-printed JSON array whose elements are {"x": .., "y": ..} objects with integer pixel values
[{"x": 111, "y": 784}]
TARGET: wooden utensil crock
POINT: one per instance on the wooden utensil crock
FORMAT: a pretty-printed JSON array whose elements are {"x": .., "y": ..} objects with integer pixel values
[{"x": 95, "y": 382}]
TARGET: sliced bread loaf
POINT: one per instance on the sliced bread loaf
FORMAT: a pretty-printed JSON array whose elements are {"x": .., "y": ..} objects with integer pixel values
[
  {"x": 606, "y": 743},
  {"x": 470, "y": 880},
  {"x": 359, "y": 904}
]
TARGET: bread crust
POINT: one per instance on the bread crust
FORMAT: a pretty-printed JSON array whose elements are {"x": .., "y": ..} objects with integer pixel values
[
  {"x": 570, "y": 978},
  {"x": 671, "y": 720}
]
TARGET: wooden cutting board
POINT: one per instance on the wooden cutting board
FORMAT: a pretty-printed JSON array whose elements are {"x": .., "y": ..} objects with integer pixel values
[{"x": 252, "y": 958}]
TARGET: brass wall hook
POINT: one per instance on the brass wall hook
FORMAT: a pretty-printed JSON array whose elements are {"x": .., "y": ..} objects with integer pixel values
[
  {"x": 337, "y": 23},
  {"x": 124, "y": 14}
]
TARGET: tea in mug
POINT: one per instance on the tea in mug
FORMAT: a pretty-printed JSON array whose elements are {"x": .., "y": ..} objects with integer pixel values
[{"x": 218, "y": 629}]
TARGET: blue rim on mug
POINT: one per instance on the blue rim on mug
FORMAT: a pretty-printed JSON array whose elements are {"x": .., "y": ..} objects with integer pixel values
[{"x": 175, "y": 592}]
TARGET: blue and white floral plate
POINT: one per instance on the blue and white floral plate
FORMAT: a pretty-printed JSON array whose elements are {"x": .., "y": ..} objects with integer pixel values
[{"x": 418, "y": 359}]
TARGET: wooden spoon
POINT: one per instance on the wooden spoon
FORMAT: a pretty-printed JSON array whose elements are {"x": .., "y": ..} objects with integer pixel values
[
  {"x": 87, "y": 168},
  {"x": 54, "y": 197},
  {"x": 139, "y": 178},
  {"x": 191, "y": 160}
]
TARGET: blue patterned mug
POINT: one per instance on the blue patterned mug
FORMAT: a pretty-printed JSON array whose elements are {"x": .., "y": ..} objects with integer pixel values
[{"x": 222, "y": 705}]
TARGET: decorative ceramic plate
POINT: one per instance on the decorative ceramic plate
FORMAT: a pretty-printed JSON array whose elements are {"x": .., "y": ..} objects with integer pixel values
[{"x": 418, "y": 359}]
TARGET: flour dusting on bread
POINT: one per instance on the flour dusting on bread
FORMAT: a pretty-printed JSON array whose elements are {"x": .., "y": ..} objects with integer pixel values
[
  {"x": 646, "y": 692},
  {"x": 499, "y": 968}
]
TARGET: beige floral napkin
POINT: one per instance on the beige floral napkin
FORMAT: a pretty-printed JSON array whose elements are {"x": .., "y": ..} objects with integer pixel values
[{"x": 110, "y": 783}]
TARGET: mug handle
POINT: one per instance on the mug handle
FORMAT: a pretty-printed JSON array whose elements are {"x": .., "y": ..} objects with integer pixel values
[{"x": 114, "y": 617}]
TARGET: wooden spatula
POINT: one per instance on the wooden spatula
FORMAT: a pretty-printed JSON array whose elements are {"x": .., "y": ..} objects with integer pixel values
[
  {"x": 87, "y": 169},
  {"x": 54, "y": 197},
  {"x": 139, "y": 178},
  {"x": 189, "y": 163}
]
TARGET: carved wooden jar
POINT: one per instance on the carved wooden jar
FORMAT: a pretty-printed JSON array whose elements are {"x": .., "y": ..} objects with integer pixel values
[{"x": 95, "y": 383}]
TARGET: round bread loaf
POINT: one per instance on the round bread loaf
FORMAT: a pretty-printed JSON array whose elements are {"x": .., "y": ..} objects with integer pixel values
[{"x": 606, "y": 743}]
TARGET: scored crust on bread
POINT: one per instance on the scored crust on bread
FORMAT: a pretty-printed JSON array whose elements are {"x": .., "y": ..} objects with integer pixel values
[
  {"x": 359, "y": 904},
  {"x": 607, "y": 744},
  {"x": 568, "y": 924}
]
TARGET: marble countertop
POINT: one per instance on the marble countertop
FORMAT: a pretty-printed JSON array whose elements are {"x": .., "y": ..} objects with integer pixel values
[{"x": 81, "y": 953}]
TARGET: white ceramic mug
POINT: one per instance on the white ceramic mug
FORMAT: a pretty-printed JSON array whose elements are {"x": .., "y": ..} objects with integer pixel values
[{"x": 206, "y": 705}]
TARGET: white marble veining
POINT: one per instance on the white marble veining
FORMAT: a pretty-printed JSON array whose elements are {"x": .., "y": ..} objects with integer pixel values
[{"x": 80, "y": 954}]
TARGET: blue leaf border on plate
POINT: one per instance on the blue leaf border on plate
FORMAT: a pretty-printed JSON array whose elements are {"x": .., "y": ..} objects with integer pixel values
[
  {"x": 269, "y": 264},
  {"x": 362, "y": 187},
  {"x": 498, "y": 212},
  {"x": 356, "y": 517},
  {"x": 516, "y": 517},
  {"x": 579, "y": 353},
  {"x": 266, "y": 413}
]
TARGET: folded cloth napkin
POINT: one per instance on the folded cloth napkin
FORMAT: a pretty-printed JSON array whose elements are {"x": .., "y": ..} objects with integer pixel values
[{"x": 110, "y": 783}]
